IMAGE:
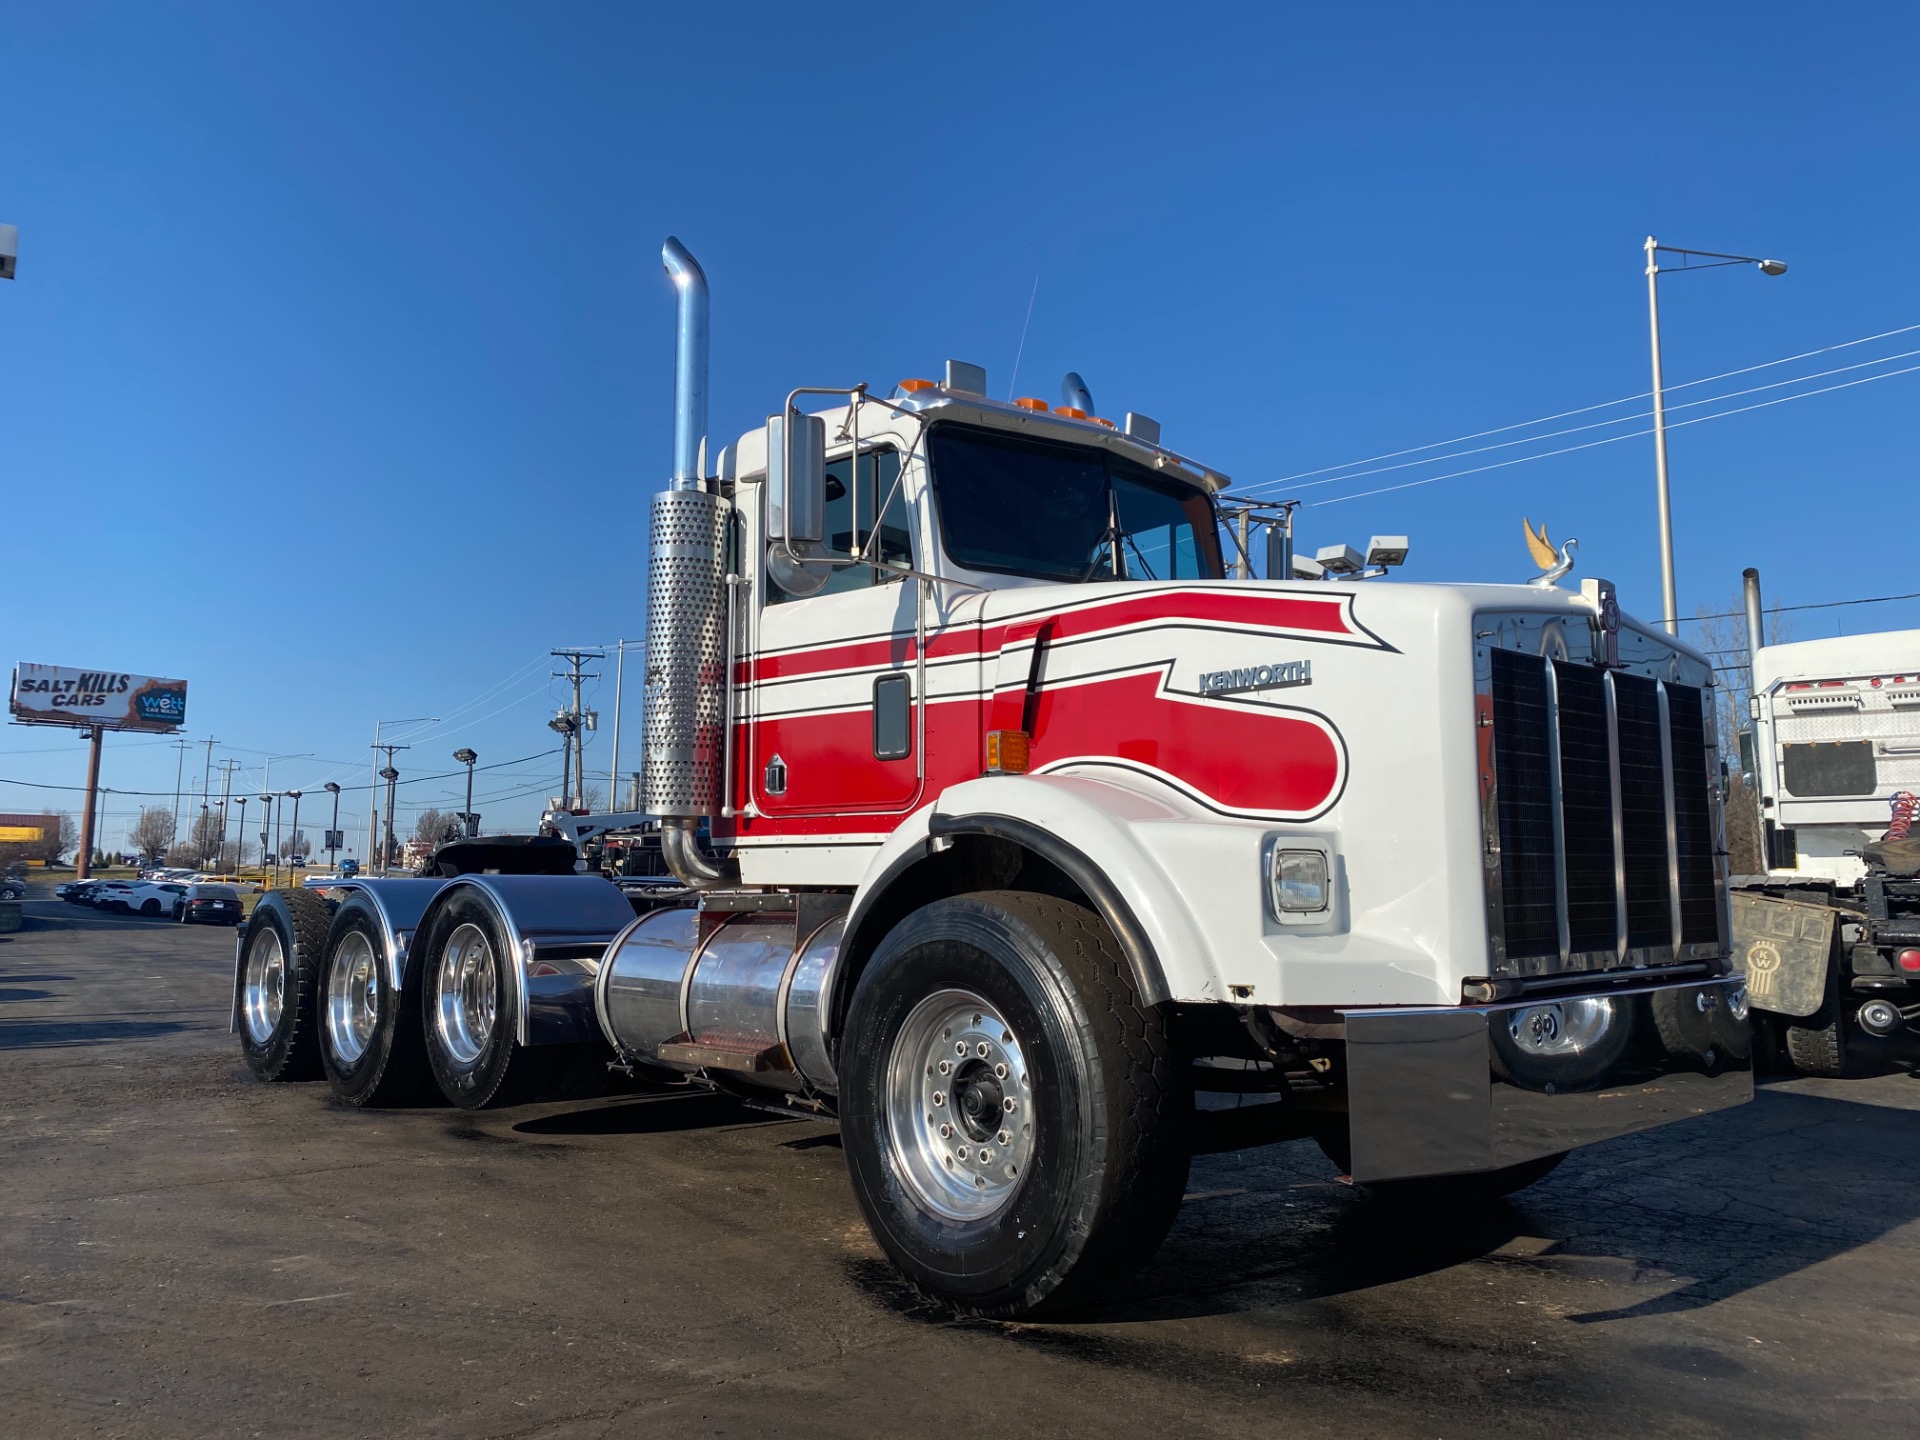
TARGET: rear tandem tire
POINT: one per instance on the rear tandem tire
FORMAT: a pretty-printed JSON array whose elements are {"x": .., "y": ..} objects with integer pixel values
[
  {"x": 991, "y": 1218},
  {"x": 370, "y": 1041},
  {"x": 280, "y": 956},
  {"x": 469, "y": 1011}
]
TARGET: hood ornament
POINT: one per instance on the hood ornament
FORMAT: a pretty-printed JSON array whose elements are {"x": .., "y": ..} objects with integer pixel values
[{"x": 1553, "y": 563}]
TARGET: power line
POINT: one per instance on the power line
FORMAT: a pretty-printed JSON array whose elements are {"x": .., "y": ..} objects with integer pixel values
[
  {"x": 1589, "y": 409},
  {"x": 1815, "y": 605},
  {"x": 344, "y": 789},
  {"x": 1599, "y": 424},
  {"x": 1612, "y": 439}
]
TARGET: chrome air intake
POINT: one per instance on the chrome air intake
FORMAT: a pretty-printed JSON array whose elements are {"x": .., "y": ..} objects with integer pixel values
[
  {"x": 686, "y": 681},
  {"x": 745, "y": 996}
]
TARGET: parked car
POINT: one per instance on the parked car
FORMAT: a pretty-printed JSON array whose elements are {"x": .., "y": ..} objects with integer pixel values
[
  {"x": 239, "y": 883},
  {"x": 78, "y": 892},
  {"x": 12, "y": 887},
  {"x": 209, "y": 905},
  {"x": 145, "y": 897}
]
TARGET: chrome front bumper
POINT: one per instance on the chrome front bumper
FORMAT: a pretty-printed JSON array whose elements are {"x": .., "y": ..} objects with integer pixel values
[{"x": 1450, "y": 1091}]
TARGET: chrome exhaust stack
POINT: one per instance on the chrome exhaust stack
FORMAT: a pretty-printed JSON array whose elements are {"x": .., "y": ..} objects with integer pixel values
[{"x": 687, "y": 652}]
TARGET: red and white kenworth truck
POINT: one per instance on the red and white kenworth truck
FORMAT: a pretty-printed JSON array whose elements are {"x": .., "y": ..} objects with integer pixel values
[{"x": 1006, "y": 829}]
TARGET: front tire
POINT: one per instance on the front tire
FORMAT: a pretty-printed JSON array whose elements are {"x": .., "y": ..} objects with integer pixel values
[
  {"x": 370, "y": 1041},
  {"x": 1010, "y": 1109},
  {"x": 469, "y": 1008},
  {"x": 279, "y": 958}
]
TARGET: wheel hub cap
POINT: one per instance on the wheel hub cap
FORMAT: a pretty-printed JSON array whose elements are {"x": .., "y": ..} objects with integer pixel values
[
  {"x": 353, "y": 998},
  {"x": 266, "y": 986},
  {"x": 464, "y": 1015},
  {"x": 958, "y": 1110}
]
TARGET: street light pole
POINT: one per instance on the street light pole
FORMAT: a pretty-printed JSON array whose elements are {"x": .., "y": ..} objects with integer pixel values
[
  {"x": 468, "y": 758},
  {"x": 240, "y": 846},
  {"x": 294, "y": 838},
  {"x": 333, "y": 830},
  {"x": 1669, "y": 590}
]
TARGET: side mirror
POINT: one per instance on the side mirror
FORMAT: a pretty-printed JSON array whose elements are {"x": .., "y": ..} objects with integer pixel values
[
  {"x": 796, "y": 479},
  {"x": 796, "y": 502}
]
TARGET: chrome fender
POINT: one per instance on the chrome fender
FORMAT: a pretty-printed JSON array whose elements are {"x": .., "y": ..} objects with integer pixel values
[{"x": 559, "y": 927}]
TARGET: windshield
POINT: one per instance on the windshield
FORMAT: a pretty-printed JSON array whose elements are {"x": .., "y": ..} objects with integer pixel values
[{"x": 1065, "y": 512}]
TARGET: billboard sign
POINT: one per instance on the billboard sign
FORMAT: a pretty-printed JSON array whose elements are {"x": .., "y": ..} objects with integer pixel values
[{"x": 56, "y": 695}]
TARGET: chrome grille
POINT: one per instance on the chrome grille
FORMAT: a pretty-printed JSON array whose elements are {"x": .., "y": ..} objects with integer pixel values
[{"x": 1601, "y": 826}]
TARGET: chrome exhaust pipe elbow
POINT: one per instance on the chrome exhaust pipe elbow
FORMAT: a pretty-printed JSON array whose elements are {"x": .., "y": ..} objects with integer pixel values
[
  {"x": 680, "y": 848},
  {"x": 689, "y": 363}
]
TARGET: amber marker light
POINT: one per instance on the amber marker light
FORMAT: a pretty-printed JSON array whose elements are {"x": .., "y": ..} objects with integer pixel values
[
  {"x": 1027, "y": 402},
  {"x": 1007, "y": 752}
]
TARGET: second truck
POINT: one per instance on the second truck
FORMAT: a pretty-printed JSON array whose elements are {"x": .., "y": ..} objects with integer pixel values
[{"x": 1009, "y": 831}]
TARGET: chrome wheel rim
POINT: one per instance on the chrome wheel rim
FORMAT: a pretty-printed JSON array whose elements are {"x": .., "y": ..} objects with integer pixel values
[
  {"x": 353, "y": 998},
  {"x": 266, "y": 988},
  {"x": 958, "y": 1112},
  {"x": 464, "y": 1012}
]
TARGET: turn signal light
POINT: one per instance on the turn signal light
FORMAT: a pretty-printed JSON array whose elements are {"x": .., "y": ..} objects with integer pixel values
[
  {"x": 1908, "y": 959},
  {"x": 1027, "y": 402},
  {"x": 1007, "y": 752},
  {"x": 914, "y": 387}
]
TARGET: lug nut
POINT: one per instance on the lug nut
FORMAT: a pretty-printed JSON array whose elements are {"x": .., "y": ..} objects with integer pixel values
[
  {"x": 999, "y": 1072},
  {"x": 983, "y": 1049},
  {"x": 1009, "y": 1104},
  {"x": 939, "y": 1098},
  {"x": 963, "y": 1153},
  {"x": 986, "y": 1156},
  {"x": 946, "y": 1067},
  {"x": 1005, "y": 1137},
  {"x": 946, "y": 1132}
]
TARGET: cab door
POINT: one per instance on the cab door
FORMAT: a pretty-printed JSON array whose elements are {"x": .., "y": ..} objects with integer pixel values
[{"x": 835, "y": 717}]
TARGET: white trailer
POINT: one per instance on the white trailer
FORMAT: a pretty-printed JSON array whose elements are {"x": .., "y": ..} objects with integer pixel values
[{"x": 1829, "y": 935}]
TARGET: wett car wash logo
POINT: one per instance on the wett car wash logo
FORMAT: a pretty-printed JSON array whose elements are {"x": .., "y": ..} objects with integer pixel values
[{"x": 1286, "y": 675}]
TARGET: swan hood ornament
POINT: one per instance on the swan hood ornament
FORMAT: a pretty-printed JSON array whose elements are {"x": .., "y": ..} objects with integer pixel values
[{"x": 1553, "y": 563}]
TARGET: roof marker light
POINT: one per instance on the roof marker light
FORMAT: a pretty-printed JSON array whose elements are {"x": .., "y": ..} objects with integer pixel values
[
  {"x": 914, "y": 387},
  {"x": 1070, "y": 412},
  {"x": 1027, "y": 402}
]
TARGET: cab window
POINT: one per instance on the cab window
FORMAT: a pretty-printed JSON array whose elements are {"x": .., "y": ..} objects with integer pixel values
[{"x": 851, "y": 508}]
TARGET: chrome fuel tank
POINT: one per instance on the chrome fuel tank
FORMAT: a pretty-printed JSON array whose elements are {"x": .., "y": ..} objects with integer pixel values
[{"x": 740, "y": 993}]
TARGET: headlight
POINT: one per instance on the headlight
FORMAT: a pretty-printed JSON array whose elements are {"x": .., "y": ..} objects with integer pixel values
[
  {"x": 1297, "y": 881},
  {"x": 1566, "y": 1027}
]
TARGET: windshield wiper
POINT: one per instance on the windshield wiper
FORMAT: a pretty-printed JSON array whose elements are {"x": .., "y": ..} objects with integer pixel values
[{"x": 1109, "y": 538}]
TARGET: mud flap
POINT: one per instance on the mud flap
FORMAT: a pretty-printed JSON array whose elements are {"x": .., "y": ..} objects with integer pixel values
[{"x": 1782, "y": 947}]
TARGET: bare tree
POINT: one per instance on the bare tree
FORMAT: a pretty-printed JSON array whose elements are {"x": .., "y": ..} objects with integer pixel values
[
  {"x": 153, "y": 833},
  {"x": 294, "y": 844},
  {"x": 594, "y": 799},
  {"x": 430, "y": 828}
]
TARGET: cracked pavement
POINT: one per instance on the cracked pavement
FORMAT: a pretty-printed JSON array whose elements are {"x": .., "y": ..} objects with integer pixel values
[{"x": 186, "y": 1251}]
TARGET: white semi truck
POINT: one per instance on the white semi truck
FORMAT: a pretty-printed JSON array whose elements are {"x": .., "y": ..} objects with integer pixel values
[
  {"x": 1002, "y": 824},
  {"x": 1829, "y": 935}
]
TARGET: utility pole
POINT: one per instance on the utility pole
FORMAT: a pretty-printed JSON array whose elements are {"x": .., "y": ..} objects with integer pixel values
[
  {"x": 227, "y": 767},
  {"x": 573, "y": 723},
  {"x": 206, "y": 787},
  {"x": 179, "y": 771},
  {"x": 619, "y": 682},
  {"x": 373, "y": 790}
]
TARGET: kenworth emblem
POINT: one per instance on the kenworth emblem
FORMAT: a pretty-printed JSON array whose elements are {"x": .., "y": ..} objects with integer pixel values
[{"x": 1286, "y": 674}]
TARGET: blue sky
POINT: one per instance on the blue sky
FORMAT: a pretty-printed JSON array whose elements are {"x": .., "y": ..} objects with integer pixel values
[{"x": 337, "y": 371}]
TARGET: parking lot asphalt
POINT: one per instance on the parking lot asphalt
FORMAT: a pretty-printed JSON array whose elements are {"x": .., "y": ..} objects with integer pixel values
[{"x": 187, "y": 1251}]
